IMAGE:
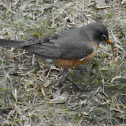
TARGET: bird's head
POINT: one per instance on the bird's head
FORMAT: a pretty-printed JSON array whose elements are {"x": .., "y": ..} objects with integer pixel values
[{"x": 100, "y": 33}]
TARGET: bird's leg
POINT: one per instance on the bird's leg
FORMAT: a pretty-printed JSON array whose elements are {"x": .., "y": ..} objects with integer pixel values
[
  {"x": 62, "y": 76},
  {"x": 65, "y": 74},
  {"x": 84, "y": 88}
]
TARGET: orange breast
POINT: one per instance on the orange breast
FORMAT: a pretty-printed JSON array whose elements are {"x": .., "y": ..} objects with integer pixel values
[
  {"x": 68, "y": 63},
  {"x": 72, "y": 62}
]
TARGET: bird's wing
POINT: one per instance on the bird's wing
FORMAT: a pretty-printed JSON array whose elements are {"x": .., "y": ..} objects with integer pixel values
[{"x": 65, "y": 45}]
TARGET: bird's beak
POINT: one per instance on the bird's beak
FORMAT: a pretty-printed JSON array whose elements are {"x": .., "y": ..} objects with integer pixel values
[
  {"x": 112, "y": 48},
  {"x": 109, "y": 41}
]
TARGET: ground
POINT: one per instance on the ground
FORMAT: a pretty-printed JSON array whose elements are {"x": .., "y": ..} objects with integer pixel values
[{"x": 29, "y": 94}]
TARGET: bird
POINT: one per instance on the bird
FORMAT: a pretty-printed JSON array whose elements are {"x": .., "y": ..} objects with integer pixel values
[{"x": 68, "y": 48}]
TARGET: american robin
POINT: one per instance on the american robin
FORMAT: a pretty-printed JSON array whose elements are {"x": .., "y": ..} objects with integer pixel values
[{"x": 69, "y": 48}]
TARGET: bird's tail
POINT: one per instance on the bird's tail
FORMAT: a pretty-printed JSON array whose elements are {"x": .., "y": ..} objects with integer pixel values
[{"x": 11, "y": 43}]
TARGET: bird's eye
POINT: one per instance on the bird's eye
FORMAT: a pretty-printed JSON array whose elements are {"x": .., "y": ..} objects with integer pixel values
[{"x": 104, "y": 37}]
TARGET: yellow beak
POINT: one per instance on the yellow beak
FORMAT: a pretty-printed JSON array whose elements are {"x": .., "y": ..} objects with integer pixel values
[
  {"x": 112, "y": 44},
  {"x": 109, "y": 41}
]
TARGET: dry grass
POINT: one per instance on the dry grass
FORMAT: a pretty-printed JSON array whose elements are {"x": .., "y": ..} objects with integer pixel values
[{"x": 28, "y": 93}]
